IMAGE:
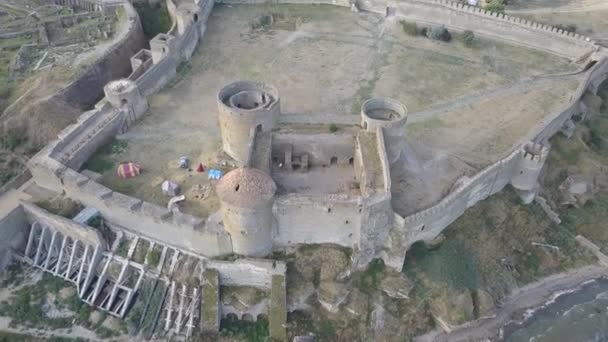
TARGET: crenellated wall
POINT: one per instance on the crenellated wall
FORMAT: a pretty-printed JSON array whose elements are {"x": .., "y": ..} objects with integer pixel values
[
  {"x": 306, "y": 219},
  {"x": 427, "y": 224},
  {"x": 457, "y": 16}
]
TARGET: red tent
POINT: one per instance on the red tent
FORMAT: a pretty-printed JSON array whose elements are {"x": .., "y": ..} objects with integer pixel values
[{"x": 128, "y": 170}]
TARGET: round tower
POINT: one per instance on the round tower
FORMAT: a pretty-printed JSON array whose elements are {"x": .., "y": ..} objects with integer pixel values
[
  {"x": 525, "y": 177},
  {"x": 122, "y": 92},
  {"x": 391, "y": 116},
  {"x": 246, "y": 197},
  {"x": 246, "y": 107}
]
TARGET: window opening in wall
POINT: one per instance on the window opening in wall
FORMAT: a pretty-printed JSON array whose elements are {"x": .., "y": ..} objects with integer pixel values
[
  {"x": 351, "y": 160},
  {"x": 333, "y": 161},
  {"x": 195, "y": 17},
  {"x": 237, "y": 187},
  {"x": 422, "y": 229},
  {"x": 365, "y": 125},
  {"x": 124, "y": 102},
  {"x": 258, "y": 128}
]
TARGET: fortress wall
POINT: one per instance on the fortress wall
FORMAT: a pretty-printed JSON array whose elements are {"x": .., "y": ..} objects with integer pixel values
[
  {"x": 553, "y": 123},
  {"x": 377, "y": 211},
  {"x": 489, "y": 24},
  {"x": 251, "y": 145},
  {"x": 149, "y": 220},
  {"x": 320, "y": 147},
  {"x": 86, "y": 119},
  {"x": 376, "y": 223},
  {"x": 113, "y": 64},
  {"x": 104, "y": 135},
  {"x": 383, "y": 155},
  {"x": 427, "y": 224},
  {"x": 177, "y": 229},
  {"x": 157, "y": 76},
  {"x": 13, "y": 232},
  {"x": 247, "y": 272},
  {"x": 316, "y": 219},
  {"x": 63, "y": 225},
  {"x": 462, "y": 17}
]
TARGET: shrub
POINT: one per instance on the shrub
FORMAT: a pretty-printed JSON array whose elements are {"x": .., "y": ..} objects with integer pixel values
[
  {"x": 569, "y": 27},
  {"x": 409, "y": 28},
  {"x": 154, "y": 257},
  {"x": 468, "y": 38},
  {"x": 154, "y": 18},
  {"x": 333, "y": 128},
  {"x": 439, "y": 33},
  {"x": 13, "y": 138},
  {"x": 497, "y": 6}
]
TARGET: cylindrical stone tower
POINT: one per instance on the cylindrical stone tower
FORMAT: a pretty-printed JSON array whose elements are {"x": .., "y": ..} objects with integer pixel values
[
  {"x": 525, "y": 177},
  {"x": 246, "y": 107},
  {"x": 391, "y": 116},
  {"x": 124, "y": 94},
  {"x": 246, "y": 197}
]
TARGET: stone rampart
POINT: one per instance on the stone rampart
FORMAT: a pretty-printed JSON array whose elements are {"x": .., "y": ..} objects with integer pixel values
[
  {"x": 63, "y": 225},
  {"x": 13, "y": 229},
  {"x": 457, "y": 16},
  {"x": 493, "y": 25},
  {"x": 306, "y": 219},
  {"x": 54, "y": 166},
  {"x": 112, "y": 64},
  {"x": 552, "y": 124}
]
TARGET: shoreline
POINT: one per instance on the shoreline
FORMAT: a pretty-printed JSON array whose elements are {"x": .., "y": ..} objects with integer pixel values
[{"x": 527, "y": 297}]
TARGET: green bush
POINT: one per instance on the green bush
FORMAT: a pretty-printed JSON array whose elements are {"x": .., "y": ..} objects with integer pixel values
[
  {"x": 468, "y": 38},
  {"x": 333, "y": 128},
  {"x": 13, "y": 138},
  {"x": 249, "y": 331},
  {"x": 154, "y": 18},
  {"x": 569, "y": 27},
  {"x": 154, "y": 257},
  {"x": 439, "y": 33},
  {"x": 409, "y": 28},
  {"x": 497, "y": 6}
]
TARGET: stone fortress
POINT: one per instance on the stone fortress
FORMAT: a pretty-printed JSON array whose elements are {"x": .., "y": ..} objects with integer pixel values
[{"x": 294, "y": 184}]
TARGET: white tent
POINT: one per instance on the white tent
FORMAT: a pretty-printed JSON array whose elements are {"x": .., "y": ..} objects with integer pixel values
[{"x": 170, "y": 188}]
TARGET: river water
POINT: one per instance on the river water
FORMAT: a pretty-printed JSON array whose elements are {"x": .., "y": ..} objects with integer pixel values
[{"x": 578, "y": 316}]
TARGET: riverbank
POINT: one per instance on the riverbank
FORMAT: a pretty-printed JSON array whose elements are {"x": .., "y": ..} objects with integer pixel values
[{"x": 529, "y": 296}]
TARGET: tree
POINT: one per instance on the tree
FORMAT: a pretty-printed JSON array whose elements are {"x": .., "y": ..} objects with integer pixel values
[
  {"x": 497, "y": 6},
  {"x": 409, "y": 28},
  {"x": 468, "y": 38},
  {"x": 439, "y": 33}
]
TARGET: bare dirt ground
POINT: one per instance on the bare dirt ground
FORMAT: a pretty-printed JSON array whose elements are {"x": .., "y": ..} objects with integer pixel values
[
  {"x": 446, "y": 145},
  {"x": 326, "y": 61}
]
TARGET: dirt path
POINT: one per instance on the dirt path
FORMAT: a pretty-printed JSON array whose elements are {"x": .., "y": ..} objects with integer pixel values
[{"x": 531, "y": 295}]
